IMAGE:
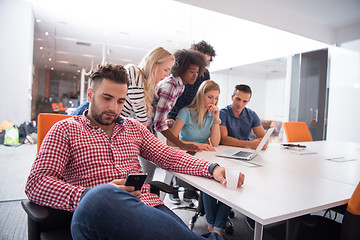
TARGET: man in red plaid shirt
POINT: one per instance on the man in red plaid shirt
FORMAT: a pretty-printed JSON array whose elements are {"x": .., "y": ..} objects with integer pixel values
[{"x": 83, "y": 163}]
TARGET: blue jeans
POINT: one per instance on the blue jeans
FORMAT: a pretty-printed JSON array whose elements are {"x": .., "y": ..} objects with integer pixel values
[
  {"x": 108, "y": 212},
  {"x": 216, "y": 212}
]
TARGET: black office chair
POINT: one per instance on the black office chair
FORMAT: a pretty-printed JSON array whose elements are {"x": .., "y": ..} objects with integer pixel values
[
  {"x": 200, "y": 211},
  {"x": 45, "y": 223},
  {"x": 307, "y": 227},
  {"x": 323, "y": 227},
  {"x": 197, "y": 206}
]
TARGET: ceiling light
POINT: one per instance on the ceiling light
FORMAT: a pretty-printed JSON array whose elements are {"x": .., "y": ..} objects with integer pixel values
[
  {"x": 46, "y": 33},
  {"x": 62, "y": 61},
  {"x": 41, "y": 48},
  {"x": 87, "y": 55},
  {"x": 52, "y": 68},
  {"x": 126, "y": 60},
  {"x": 38, "y": 20},
  {"x": 50, "y": 59}
]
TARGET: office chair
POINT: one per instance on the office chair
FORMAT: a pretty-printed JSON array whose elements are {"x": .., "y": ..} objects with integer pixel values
[
  {"x": 350, "y": 226},
  {"x": 47, "y": 223},
  {"x": 297, "y": 132},
  {"x": 320, "y": 227},
  {"x": 197, "y": 206},
  {"x": 45, "y": 122}
]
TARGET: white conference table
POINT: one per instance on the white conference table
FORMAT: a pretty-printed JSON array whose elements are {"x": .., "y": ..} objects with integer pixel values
[{"x": 281, "y": 185}]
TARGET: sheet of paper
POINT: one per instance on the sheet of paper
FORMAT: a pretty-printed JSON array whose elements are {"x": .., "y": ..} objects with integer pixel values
[{"x": 303, "y": 152}]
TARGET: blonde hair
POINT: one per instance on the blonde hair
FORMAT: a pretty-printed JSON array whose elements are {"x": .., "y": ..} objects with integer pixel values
[
  {"x": 197, "y": 104},
  {"x": 148, "y": 68}
]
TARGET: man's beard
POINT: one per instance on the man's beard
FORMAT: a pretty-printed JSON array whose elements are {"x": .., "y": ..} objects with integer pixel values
[{"x": 98, "y": 117}]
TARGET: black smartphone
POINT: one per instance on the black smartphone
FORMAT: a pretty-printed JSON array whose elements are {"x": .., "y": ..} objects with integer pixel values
[
  {"x": 136, "y": 180},
  {"x": 191, "y": 152}
]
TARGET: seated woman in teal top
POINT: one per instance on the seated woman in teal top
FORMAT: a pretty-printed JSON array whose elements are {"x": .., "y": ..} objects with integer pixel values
[
  {"x": 196, "y": 124},
  {"x": 200, "y": 121}
]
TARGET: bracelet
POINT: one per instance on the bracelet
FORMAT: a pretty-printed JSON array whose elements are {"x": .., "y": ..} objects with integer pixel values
[{"x": 217, "y": 122}]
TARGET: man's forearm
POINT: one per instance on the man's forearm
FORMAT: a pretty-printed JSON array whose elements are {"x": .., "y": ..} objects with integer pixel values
[{"x": 230, "y": 141}]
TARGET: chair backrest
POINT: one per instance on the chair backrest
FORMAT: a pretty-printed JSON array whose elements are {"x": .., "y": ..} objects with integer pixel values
[
  {"x": 351, "y": 221},
  {"x": 297, "y": 132},
  {"x": 45, "y": 122},
  {"x": 354, "y": 203}
]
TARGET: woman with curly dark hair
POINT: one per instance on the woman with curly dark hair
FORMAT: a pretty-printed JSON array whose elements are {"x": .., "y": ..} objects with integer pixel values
[
  {"x": 190, "y": 90},
  {"x": 188, "y": 65}
]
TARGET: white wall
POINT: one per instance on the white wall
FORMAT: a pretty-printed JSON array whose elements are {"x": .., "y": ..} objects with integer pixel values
[
  {"x": 16, "y": 60},
  {"x": 275, "y": 105},
  {"x": 269, "y": 91},
  {"x": 344, "y": 96}
]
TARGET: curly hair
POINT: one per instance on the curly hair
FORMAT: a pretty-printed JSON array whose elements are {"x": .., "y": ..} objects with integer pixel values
[
  {"x": 114, "y": 73},
  {"x": 204, "y": 48},
  {"x": 184, "y": 58}
]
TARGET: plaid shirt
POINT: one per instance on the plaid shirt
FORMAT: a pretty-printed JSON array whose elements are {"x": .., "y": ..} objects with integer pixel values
[
  {"x": 76, "y": 155},
  {"x": 169, "y": 90},
  {"x": 188, "y": 95}
]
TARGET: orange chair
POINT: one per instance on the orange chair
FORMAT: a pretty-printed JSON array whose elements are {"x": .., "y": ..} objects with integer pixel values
[
  {"x": 297, "y": 132},
  {"x": 351, "y": 221},
  {"x": 58, "y": 107},
  {"x": 354, "y": 203},
  {"x": 45, "y": 122}
]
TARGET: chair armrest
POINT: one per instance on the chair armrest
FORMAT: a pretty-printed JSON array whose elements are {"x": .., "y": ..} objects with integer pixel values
[
  {"x": 35, "y": 212},
  {"x": 157, "y": 186}
]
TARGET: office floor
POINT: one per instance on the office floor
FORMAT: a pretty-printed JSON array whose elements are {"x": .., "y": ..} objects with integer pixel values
[{"x": 15, "y": 164}]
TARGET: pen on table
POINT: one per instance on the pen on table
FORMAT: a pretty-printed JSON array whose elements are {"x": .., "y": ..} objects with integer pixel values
[
  {"x": 293, "y": 145},
  {"x": 334, "y": 158}
]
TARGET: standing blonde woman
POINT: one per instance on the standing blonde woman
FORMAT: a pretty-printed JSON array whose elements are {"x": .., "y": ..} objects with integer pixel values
[{"x": 154, "y": 67}]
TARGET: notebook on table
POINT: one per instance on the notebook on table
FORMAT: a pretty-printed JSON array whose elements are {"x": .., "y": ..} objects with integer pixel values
[{"x": 246, "y": 155}]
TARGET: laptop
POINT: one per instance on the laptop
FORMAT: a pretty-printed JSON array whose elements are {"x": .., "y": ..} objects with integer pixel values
[{"x": 245, "y": 155}]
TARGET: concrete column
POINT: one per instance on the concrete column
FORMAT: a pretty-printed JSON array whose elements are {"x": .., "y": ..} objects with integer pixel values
[{"x": 16, "y": 60}]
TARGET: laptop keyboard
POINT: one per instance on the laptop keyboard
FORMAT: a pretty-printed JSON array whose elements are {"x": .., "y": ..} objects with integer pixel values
[{"x": 242, "y": 154}]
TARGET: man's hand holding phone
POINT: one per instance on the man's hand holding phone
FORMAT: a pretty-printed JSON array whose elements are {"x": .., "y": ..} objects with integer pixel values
[{"x": 131, "y": 184}]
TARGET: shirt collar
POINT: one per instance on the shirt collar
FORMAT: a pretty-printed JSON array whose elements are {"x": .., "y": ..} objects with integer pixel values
[
  {"x": 177, "y": 80},
  {"x": 231, "y": 112}
]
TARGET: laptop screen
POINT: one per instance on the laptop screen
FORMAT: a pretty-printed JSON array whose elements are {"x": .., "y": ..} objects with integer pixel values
[{"x": 264, "y": 140}]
